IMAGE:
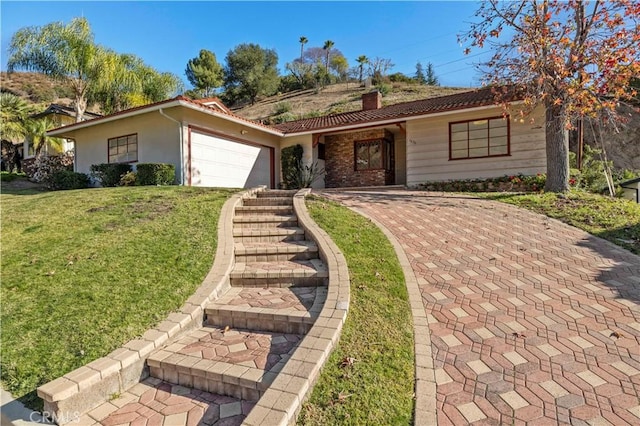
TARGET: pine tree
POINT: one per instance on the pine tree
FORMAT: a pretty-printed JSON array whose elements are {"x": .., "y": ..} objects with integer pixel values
[{"x": 420, "y": 77}]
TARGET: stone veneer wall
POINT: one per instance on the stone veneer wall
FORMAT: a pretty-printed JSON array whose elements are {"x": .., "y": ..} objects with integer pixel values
[{"x": 340, "y": 160}]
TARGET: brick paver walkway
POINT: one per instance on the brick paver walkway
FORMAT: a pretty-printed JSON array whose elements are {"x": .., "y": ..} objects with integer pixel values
[{"x": 531, "y": 321}]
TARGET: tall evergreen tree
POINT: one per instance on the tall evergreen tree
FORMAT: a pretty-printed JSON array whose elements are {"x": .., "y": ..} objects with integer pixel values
[
  {"x": 205, "y": 73},
  {"x": 251, "y": 71},
  {"x": 420, "y": 77},
  {"x": 431, "y": 78}
]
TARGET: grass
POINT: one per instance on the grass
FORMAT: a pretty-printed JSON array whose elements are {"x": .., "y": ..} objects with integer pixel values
[
  {"x": 378, "y": 388},
  {"x": 85, "y": 271},
  {"x": 614, "y": 219}
]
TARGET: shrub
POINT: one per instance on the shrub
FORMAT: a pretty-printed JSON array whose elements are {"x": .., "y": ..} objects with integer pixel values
[
  {"x": 290, "y": 158},
  {"x": 398, "y": 77},
  {"x": 156, "y": 174},
  {"x": 109, "y": 174},
  {"x": 128, "y": 179},
  {"x": 9, "y": 177},
  {"x": 384, "y": 89},
  {"x": 282, "y": 107},
  {"x": 44, "y": 166},
  {"x": 511, "y": 183},
  {"x": 66, "y": 179},
  {"x": 283, "y": 118},
  {"x": 295, "y": 175}
]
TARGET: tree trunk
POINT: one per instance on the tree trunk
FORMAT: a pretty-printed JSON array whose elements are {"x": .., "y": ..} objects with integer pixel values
[
  {"x": 80, "y": 106},
  {"x": 557, "y": 145}
]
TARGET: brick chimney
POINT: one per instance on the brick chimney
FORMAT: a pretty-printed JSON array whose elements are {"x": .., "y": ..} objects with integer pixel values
[{"x": 371, "y": 100}]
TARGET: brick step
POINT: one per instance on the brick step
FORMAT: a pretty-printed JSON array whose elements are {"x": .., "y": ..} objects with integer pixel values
[
  {"x": 145, "y": 403},
  {"x": 298, "y": 273},
  {"x": 283, "y": 310},
  {"x": 265, "y": 221},
  {"x": 246, "y": 252},
  {"x": 268, "y": 234},
  {"x": 237, "y": 363},
  {"x": 264, "y": 210},
  {"x": 268, "y": 201},
  {"x": 277, "y": 193}
]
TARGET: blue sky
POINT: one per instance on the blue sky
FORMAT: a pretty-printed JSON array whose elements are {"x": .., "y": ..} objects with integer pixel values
[{"x": 167, "y": 34}]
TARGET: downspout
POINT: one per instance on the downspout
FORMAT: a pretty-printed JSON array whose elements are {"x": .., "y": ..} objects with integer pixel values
[{"x": 179, "y": 123}]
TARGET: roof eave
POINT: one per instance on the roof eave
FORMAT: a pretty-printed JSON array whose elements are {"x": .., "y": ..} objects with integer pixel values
[
  {"x": 64, "y": 131},
  {"x": 232, "y": 118}
]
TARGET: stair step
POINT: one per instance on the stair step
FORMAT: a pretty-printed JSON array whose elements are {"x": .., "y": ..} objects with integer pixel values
[
  {"x": 277, "y": 193},
  {"x": 268, "y": 201},
  {"x": 275, "y": 251},
  {"x": 268, "y": 234},
  {"x": 284, "y": 310},
  {"x": 265, "y": 221},
  {"x": 299, "y": 273},
  {"x": 237, "y": 363},
  {"x": 263, "y": 210}
]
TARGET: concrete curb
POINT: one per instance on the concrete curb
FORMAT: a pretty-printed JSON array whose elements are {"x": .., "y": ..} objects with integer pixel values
[
  {"x": 425, "y": 379},
  {"x": 282, "y": 402},
  {"x": 68, "y": 397}
]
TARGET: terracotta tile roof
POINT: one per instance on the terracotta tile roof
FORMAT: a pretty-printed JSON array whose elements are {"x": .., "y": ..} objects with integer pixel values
[{"x": 471, "y": 99}]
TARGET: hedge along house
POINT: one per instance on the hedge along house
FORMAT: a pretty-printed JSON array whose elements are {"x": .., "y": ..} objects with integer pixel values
[{"x": 460, "y": 136}]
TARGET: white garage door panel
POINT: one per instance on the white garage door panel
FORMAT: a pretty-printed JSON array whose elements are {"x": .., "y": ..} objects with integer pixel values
[{"x": 222, "y": 163}]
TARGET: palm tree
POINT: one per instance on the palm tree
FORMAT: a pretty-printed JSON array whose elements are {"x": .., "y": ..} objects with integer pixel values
[
  {"x": 13, "y": 112},
  {"x": 36, "y": 132},
  {"x": 362, "y": 61},
  {"x": 327, "y": 46},
  {"x": 303, "y": 40},
  {"x": 63, "y": 52},
  {"x": 128, "y": 82}
]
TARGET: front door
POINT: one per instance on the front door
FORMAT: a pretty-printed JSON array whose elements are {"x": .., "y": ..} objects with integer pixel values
[{"x": 390, "y": 163}]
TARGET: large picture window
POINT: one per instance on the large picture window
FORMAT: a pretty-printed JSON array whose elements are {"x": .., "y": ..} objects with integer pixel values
[
  {"x": 373, "y": 154},
  {"x": 123, "y": 149},
  {"x": 488, "y": 137}
]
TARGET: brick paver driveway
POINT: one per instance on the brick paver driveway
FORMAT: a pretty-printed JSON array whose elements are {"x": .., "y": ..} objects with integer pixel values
[{"x": 531, "y": 321}]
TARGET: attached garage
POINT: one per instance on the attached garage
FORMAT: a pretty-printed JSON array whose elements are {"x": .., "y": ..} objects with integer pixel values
[{"x": 219, "y": 161}]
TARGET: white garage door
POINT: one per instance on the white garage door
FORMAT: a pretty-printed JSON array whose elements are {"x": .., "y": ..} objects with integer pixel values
[{"x": 218, "y": 162}]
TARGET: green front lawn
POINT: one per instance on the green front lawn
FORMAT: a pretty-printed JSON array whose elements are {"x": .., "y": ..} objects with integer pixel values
[
  {"x": 85, "y": 271},
  {"x": 378, "y": 333},
  {"x": 614, "y": 219}
]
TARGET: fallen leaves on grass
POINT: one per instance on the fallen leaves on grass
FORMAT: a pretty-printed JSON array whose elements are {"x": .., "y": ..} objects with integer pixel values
[
  {"x": 347, "y": 362},
  {"x": 342, "y": 397}
]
